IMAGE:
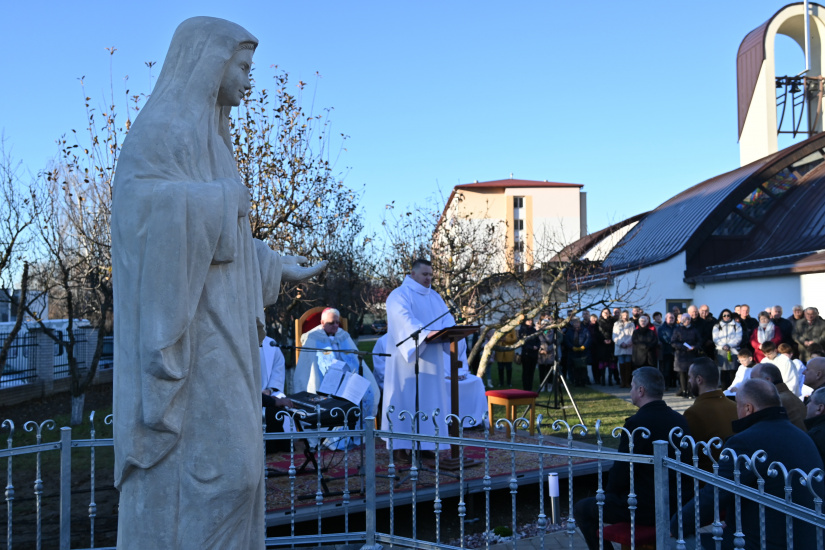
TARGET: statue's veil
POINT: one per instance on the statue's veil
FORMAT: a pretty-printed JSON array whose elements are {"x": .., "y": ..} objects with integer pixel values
[{"x": 180, "y": 134}]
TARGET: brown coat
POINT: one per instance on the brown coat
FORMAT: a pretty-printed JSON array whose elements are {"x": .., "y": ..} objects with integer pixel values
[
  {"x": 711, "y": 416},
  {"x": 793, "y": 406},
  {"x": 508, "y": 340}
]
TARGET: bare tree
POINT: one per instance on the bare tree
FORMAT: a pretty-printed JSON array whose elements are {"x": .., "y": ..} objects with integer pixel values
[
  {"x": 15, "y": 221},
  {"x": 496, "y": 285},
  {"x": 74, "y": 206},
  {"x": 288, "y": 158}
]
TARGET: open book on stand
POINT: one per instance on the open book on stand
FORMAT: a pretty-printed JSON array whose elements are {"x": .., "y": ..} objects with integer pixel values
[{"x": 341, "y": 383}]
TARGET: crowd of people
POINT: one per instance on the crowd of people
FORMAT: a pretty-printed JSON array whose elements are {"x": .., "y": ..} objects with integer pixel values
[
  {"x": 606, "y": 349},
  {"x": 757, "y": 384}
]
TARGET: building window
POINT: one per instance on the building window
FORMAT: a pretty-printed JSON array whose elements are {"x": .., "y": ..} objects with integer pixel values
[
  {"x": 518, "y": 202},
  {"x": 519, "y": 246},
  {"x": 756, "y": 204},
  {"x": 519, "y": 225}
]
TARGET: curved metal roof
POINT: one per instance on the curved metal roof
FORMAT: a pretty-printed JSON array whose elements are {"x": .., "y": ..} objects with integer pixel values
[
  {"x": 685, "y": 221},
  {"x": 789, "y": 239}
]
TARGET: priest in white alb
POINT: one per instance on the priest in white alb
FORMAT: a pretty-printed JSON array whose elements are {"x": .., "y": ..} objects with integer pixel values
[
  {"x": 410, "y": 307},
  {"x": 312, "y": 365}
]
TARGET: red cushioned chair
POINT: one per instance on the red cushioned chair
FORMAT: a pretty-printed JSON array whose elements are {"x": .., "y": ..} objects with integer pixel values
[
  {"x": 620, "y": 532},
  {"x": 511, "y": 399}
]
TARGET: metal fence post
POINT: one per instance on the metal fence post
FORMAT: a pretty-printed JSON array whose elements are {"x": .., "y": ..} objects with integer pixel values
[
  {"x": 660, "y": 475},
  {"x": 369, "y": 478},
  {"x": 65, "y": 488}
]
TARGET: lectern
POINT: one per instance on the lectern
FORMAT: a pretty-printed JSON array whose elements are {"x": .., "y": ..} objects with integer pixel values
[{"x": 453, "y": 335}]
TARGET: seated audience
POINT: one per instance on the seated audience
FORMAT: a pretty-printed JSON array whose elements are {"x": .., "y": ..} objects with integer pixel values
[
  {"x": 790, "y": 401},
  {"x": 815, "y": 373},
  {"x": 712, "y": 413},
  {"x": 762, "y": 425},
  {"x": 815, "y": 421},
  {"x": 646, "y": 390}
]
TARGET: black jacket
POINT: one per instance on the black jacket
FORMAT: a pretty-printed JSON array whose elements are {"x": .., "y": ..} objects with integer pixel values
[
  {"x": 657, "y": 417},
  {"x": 645, "y": 342},
  {"x": 816, "y": 431},
  {"x": 771, "y": 431}
]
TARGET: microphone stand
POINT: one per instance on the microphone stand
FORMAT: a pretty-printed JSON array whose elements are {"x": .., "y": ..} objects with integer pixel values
[{"x": 416, "y": 458}]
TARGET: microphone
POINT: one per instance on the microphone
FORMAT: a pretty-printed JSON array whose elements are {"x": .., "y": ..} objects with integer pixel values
[{"x": 454, "y": 310}]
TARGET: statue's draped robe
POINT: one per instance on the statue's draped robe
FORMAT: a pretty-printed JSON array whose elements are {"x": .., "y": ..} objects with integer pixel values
[
  {"x": 190, "y": 284},
  {"x": 410, "y": 307}
]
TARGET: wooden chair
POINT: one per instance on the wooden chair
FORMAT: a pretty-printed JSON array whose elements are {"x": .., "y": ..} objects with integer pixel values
[
  {"x": 308, "y": 321},
  {"x": 512, "y": 399}
]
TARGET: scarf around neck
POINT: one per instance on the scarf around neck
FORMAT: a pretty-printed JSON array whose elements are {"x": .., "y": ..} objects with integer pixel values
[{"x": 765, "y": 333}]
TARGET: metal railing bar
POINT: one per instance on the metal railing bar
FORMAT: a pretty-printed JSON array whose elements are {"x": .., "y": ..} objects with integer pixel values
[{"x": 28, "y": 449}]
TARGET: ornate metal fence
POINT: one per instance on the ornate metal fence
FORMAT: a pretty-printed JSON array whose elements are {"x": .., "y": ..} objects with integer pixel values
[
  {"x": 19, "y": 368},
  {"x": 384, "y": 504}
]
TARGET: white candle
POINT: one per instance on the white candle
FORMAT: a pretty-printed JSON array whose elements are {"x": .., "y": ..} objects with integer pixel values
[{"x": 553, "y": 484}]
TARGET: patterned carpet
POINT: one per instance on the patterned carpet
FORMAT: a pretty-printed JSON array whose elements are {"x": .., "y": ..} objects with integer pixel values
[{"x": 280, "y": 489}]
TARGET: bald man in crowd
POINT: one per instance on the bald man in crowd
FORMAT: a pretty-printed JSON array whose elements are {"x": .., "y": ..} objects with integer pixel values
[
  {"x": 762, "y": 425},
  {"x": 815, "y": 373},
  {"x": 794, "y": 407}
]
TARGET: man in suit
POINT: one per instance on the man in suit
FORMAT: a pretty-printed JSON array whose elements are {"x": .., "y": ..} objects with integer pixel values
[{"x": 646, "y": 390}]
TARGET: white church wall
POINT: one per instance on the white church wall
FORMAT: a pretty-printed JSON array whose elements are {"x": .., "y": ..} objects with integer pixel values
[
  {"x": 649, "y": 287},
  {"x": 758, "y": 293},
  {"x": 813, "y": 291}
]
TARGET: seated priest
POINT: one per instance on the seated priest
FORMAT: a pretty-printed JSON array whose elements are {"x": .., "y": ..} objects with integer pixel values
[
  {"x": 472, "y": 399},
  {"x": 312, "y": 365},
  {"x": 273, "y": 372}
]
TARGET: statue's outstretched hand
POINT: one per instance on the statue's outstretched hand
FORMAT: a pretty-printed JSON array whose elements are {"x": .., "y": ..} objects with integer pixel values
[{"x": 294, "y": 272}]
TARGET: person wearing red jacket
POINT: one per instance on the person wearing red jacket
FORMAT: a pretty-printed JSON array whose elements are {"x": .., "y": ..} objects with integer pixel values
[{"x": 764, "y": 332}]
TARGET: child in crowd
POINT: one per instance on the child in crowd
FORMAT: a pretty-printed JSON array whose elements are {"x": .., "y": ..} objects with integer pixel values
[{"x": 743, "y": 373}]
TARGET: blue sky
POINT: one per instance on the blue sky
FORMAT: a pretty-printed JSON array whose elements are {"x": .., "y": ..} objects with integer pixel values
[{"x": 635, "y": 100}]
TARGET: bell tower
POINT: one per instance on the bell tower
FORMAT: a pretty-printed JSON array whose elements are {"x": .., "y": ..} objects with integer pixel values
[{"x": 771, "y": 104}]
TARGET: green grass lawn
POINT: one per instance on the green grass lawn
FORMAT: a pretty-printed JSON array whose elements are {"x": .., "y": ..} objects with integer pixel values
[{"x": 593, "y": 405}]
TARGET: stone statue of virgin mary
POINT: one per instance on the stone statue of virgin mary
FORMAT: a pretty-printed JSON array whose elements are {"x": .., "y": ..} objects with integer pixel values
[{"x": 190, "y": 286}]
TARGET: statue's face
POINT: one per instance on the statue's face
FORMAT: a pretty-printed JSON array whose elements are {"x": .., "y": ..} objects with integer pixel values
[{"x": 235, "y": 81}]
